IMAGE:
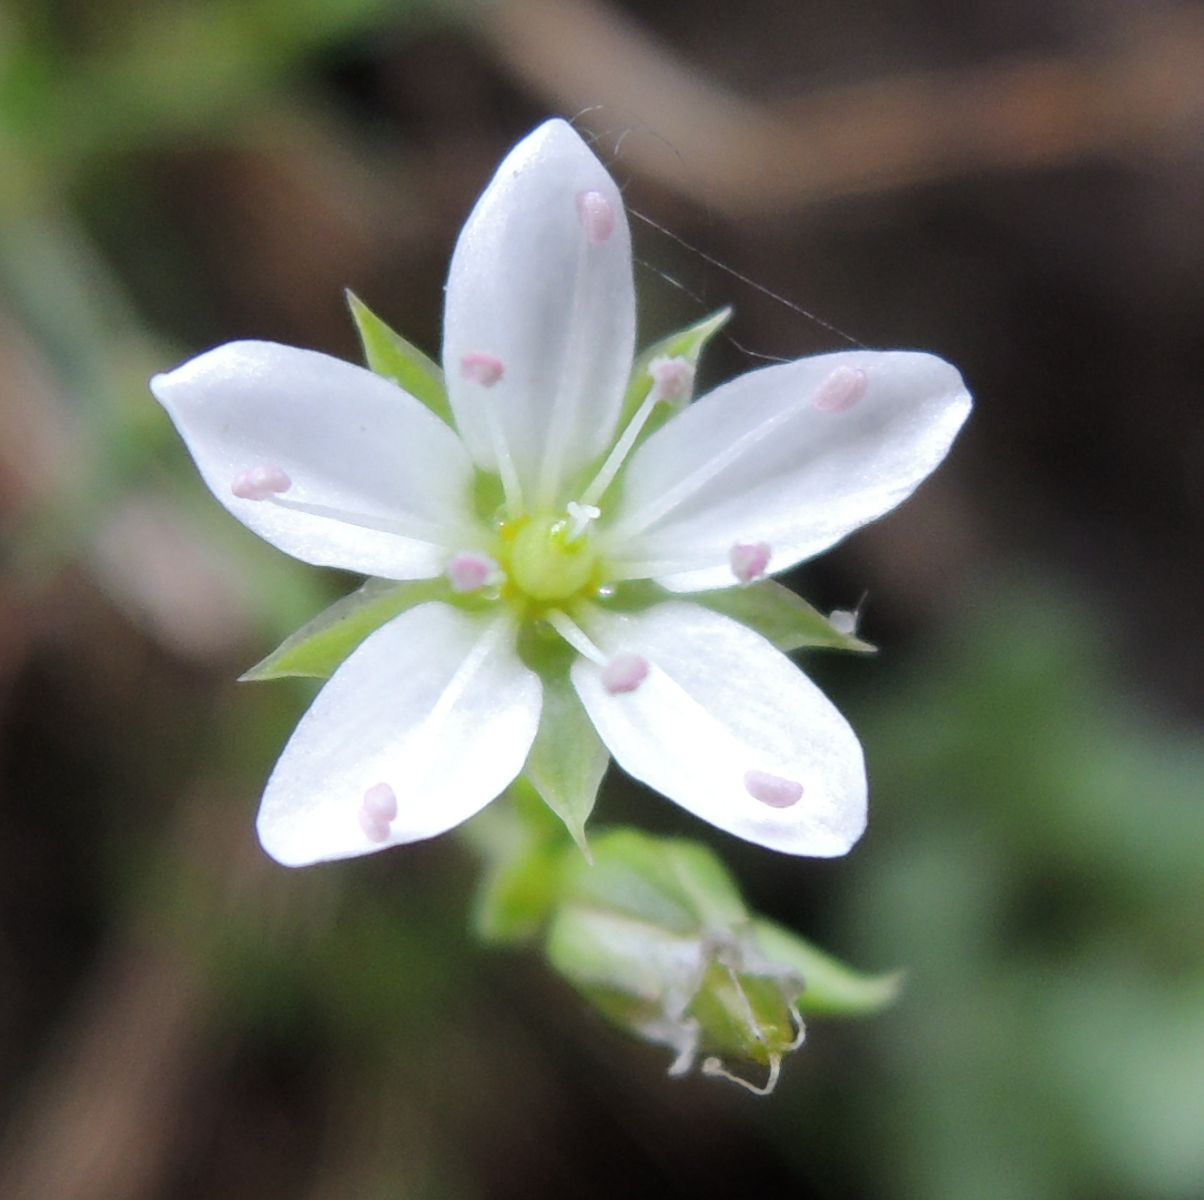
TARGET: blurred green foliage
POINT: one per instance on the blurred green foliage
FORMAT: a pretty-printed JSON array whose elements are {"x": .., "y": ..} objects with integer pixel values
[{"x": 1037, "y": 865}]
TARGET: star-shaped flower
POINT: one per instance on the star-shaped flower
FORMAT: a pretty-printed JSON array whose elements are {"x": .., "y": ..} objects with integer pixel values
[{"x": 581, "y": 549}]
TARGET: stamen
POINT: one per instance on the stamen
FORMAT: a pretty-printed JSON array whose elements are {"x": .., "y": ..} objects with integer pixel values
[
  {"x": 749, "y": 560},
  {"x": 580, "y": 518},
  {"x": 672, "y": 379},
  {"x": 620, "y": 451},
  {"x": 597, "y": 217},
  {"x": 505, "y": 463},
  {"x": 469, "y": 571},
  {"x": 624, "y": 673},
  {"x": 484, "y": 369},
  {"x": 843, "y": 620},
  {"x": 636, "y": 522},
  {"x": 841, "y": 390},
  {"x": 378, "y": 808},
  {"x": 416, "y": 530},
  {"x": 575, "y": 636},
  {"x": 260, "y": 482},
  {"x": 772, "y": 790},
  {"x": 381, "y": 801}
]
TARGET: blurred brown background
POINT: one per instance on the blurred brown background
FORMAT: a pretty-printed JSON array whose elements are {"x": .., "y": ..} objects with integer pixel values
[{"x": 1018, "y": 187}]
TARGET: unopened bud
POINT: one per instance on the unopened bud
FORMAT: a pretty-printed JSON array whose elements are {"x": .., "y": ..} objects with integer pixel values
[{"x": 657, "y": 937}]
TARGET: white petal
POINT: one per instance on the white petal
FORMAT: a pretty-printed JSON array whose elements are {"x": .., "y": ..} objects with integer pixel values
[
  {"x": 530, "y": 289},
  {"x": 719, "y": 702},
  {"x": 758, "y": 461},
  {"x": 350, "y": 442},
  {"x": 436, "y": 705}
]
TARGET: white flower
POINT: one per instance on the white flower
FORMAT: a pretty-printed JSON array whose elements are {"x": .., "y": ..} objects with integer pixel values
[{"x": 434, "y": 714}]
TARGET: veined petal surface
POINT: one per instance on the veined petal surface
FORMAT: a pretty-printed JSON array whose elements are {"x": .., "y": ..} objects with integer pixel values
[
  {"x": 778, "y": 456},
  {"x": 436, "y": 705},
  {"x": 541, "y": 289},
  {"x": 352, "y": 444},
  {"x": 718, "y": 703}
]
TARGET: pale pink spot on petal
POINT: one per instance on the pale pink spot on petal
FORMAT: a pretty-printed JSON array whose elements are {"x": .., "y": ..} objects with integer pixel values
[
  {"x": 597, "y": 217},
  {"x": 772, "y": 789},
  {"x": 673, "y": 378},
  {"x": 624, "y": 673},
  {"x": 841, "y": 390},
  {"x": 485, "y": 369},
  {"x": 380, "y": 801},
  {"x": 260, "y": 482},
  {"x": 749, "y": 560},
  {"x": 469, "y": 571}
]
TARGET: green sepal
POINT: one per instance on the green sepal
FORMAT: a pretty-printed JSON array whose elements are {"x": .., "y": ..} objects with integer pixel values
[
  {"x": 747, "y": 1017},
  {"x": 687, "y": 343},
  {"x": 676, "y": 885},
  {"x": 389, "y": 354},
  {"x": 780, "y": 616},
  {"x": 830, "y": 988},
  {"x": 525, "y": 847},
  {"x": 567, "y": 760},
  {"x": 768, "y": 607},
  {"x": 318, "y": 647}
]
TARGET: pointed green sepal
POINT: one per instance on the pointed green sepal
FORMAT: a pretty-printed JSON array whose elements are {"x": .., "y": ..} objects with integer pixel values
[
  {"x": 780, "y": 616},
  {"x": 687, "y": 343},
  {"x": 830, "y": 988},
  {"x": 568, "y": 760},
  {"x": 318, "y": 647},
  {"x": 768, "y": 607},
  {"x": 389, "y": 354}
]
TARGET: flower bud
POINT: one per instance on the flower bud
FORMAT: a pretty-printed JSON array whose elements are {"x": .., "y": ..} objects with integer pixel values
[{"x": 656, "y": 936}]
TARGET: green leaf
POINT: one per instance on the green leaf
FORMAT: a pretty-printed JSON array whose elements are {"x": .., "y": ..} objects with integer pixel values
[
  {"x": 767, "y": 607},
  {"x": 317, "y": 648},
  {"x": 568, "y": 760},
  {"x": 389, "y": 354},
  {"x": 687, "y": 343},
  {"x": 830, "y": 988}
]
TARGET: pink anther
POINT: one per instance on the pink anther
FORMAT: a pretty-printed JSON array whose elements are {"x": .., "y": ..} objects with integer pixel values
[
  {"x": 375, "y": 830},
  {"x": 673, "y": 378},
  {"x": 260, "y": 482},
  {"x": 381, "y": 801},
  {"x": 597, "y": 217},
  {"x": 749, "y": 560},
  {"x": 772, "y": 789},
  {"x": 484, "y": 369},
  {"x": 379, "y": 807},
  {"x": 624, "y": 673},
  {"x": 470, "y": 571},
  {"x": 841, "y": 390}
]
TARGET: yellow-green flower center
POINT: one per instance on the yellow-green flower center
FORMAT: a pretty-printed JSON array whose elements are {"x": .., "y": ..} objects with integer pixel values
[{"x": 546, "y": 563}]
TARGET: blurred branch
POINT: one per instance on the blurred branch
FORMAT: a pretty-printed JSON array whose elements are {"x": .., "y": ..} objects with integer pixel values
[{"x": 749, "y": 158}]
